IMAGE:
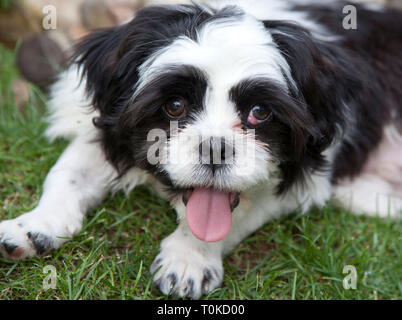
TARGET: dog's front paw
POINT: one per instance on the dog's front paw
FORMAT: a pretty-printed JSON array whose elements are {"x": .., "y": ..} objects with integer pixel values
[
  {"x": 186, "y": 274},
  {"x": 19, "y": 239}
]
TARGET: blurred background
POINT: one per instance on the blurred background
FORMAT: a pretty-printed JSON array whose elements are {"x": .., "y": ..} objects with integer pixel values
[{"x": 40, "y": 54}]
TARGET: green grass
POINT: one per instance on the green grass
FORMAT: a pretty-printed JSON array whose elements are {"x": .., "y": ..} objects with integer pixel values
[{"x": 300, "y": 257}]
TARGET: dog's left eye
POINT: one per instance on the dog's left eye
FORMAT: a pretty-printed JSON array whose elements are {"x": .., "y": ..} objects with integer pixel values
[
  {"x": 258, "y": 114},
  {"x": 176, "y": 107}
]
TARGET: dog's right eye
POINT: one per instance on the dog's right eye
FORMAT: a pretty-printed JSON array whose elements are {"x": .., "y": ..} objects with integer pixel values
[{"x": 176, "y": 108}]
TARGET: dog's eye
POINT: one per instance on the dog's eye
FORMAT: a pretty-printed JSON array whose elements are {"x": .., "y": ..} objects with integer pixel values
[
  {"x": 258, "y": 114},
  {"x": 176, "y": 107}
]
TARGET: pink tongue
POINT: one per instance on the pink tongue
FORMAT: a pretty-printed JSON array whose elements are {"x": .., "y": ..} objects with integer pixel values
[{"x": 208, "y": 214}]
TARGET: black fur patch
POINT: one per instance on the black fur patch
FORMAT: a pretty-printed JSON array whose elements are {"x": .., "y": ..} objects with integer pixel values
[
  {"x": 189, "y": 290},
  {"x": 173, "y": 279},
  {"x": 291, "y": 134},
  {"x": 9, "y": 247},
  {"x": 206, "y": 280},
  {"x": 373, "y": 54},
  {"x": 41, "y": 242}
]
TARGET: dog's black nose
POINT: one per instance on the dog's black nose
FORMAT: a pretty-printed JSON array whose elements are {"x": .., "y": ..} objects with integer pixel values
[{"x": 216, "y": 152}]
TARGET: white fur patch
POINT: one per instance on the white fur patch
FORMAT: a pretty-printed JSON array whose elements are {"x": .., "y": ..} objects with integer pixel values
[
  {"x": 378, "y": 190},
  {"x": 227, "y": 51},
  {"x": 70, "y": 110}
]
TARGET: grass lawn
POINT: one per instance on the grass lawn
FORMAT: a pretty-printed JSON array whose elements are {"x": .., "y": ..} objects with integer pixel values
[{"x": 300, "y": 257}]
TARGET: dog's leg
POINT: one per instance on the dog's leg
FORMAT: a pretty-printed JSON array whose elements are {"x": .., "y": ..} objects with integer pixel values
[
  {"x": 378, "y": 190},
  {"x": 189, "y": 267},
  {"x": 186, "y": 266},
  {"x": 77, "y": 182},
  {"x": 371, "y": 195}
]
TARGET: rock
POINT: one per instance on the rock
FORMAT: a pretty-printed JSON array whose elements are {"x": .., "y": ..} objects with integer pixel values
[{"x": 40, "y": 58}]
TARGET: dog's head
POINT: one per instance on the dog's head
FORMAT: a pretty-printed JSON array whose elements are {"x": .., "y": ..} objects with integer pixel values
[{"x": 213, "y": 103}]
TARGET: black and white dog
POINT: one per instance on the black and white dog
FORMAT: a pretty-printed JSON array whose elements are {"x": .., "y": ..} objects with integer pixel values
[{"x": 294, "y": 110}]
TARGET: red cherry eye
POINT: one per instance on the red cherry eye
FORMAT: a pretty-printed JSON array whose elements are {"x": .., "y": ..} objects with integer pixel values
[
  {"x": 258, "y": 114},
  {"x": 176, "y": 108}
]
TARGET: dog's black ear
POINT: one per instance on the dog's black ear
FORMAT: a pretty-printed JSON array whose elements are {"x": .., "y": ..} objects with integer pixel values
[
  {"x": 97, "y": 56},
  {"x": 325, "y": 79}
]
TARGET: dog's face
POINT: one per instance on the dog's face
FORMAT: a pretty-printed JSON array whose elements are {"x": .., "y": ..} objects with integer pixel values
[{"x": 211, "y": 103}]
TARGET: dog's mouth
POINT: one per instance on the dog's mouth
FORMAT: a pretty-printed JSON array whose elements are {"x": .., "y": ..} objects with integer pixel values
[{"x": 209, "y": 212}]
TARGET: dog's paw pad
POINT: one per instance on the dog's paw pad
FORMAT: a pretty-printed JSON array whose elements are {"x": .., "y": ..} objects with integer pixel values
[
  {"x": 17, "y": 242},
  {"x": 189, "y": 276},
  {"x": 13, "y": 251},
  {"x": 9, "y": 247}
]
